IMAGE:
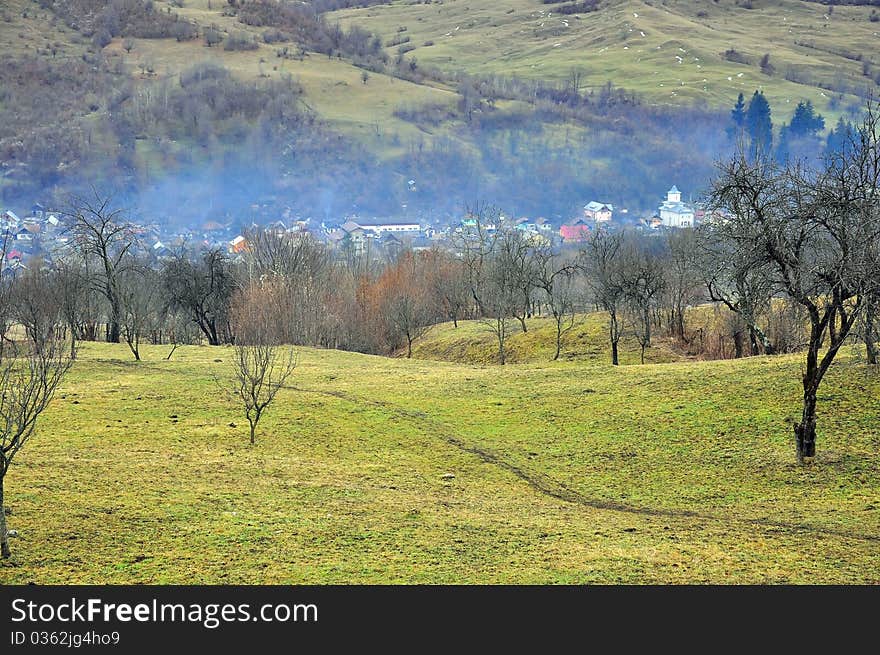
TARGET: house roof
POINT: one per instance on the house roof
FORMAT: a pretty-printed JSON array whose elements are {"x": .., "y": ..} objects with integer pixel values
[
  {"x": 674, "y": 189},
  {"x": 594, "y": 206},
  {"x": 676, "y": 208},
  {"x": 349, "y": 226},
  {"x": 13, "y": 254},
  {"x": 389, "y": 224}
]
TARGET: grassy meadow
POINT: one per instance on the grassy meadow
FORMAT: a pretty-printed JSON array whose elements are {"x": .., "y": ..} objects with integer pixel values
[
  {"x": 383, "y": 470},
  {"x": 672, "y": 51}
]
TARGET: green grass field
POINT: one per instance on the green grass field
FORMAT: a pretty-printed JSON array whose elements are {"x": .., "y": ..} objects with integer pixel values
[
  {"x": 670, "y": 51},
  {"x": 570, "y": 472}
]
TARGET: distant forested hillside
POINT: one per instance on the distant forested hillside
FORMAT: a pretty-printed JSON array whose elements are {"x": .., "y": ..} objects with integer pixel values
[{"x": 198, "y": 107}]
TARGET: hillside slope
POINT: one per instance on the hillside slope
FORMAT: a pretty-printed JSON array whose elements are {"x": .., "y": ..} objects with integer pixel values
[
  {"x": 586, "y": 341},
  {"x": 377, "y": 470},
  {"x": 85, "y": 109},
  {"x": 672, "y": 51}
]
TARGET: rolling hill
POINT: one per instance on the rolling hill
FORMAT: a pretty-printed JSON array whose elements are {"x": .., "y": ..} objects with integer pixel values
[{"x": 378, "y": 470}]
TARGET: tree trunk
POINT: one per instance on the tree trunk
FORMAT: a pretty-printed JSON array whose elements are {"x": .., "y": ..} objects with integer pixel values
[
  {"x": 501, "y": 354},
  {"x": 870, "y": 333},
  {"x": 764, "y": 340},
  {"x": 253, "y": 431},
  {"x": 4, "y": 533},
  {"x": 113, "y": 328},
  {"x": 558, "y": 339},
  {"x": 522, "y": 322},
  {"x": 409, "y": 348},
  {"x": 738, "y": 344},
  {"x": 753, "y": 342},
  {"x": 643, "y": 352},
  {"x": 615, "y": 336},
  {"x": 805, "y": 431}
]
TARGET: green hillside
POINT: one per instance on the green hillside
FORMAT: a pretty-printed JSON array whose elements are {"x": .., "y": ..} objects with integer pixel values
[
  {"x": 435, "y": 101},
  {"x": 381, "y": 470},
  {"x": 474, "y": 342},
  {"x": 680, "y": 58},
  {"x": 672, "y": 51}
]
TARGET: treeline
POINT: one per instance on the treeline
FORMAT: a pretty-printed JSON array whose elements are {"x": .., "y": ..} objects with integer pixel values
[{"x": 651, "y": 286}]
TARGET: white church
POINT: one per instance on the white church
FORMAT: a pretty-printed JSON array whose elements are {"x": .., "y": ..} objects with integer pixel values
[{"x": 673, "y": 212}]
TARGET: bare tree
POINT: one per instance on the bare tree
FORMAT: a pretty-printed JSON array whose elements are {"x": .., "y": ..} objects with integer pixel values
[
  {"x": 448, "y": 283},
  {"x": 203, "y": 289},
  {"x": 602, "y": 266},
  {"x": 557, "y": 279},
  {"x": 28, "y": 381},
  {"x": 643, "y": 280},
  {"x": 738, "y": 277},
  {"x": 816, "y": 233},
  {"x": 500, "y": 290},
  {"x": 101, "y": 232},
  {"x": 140, "y": 287},
  {"x": 35, "y": 301},
  {"x": 682, "y": 278},
  {"x": 304, "y": 265},
  {"x": 522, "y": 265},
  {"x": 404, "y": 300},
  {"x": 260, "y": 365},
  {"x": 78, "y": 304}
]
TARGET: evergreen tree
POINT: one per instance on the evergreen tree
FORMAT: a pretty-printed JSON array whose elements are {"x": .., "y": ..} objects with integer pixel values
[
  {"x": 738, "y": 116},
  {"x": 759, "y": 125},
  {"x": 840, "y": 139},
  {"x": 806, "y": 122}
]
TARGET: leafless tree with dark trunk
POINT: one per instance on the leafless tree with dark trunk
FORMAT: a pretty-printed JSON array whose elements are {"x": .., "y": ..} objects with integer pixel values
[
  {"x": 643, "y": 280},
  {"x": 816, "y": 233},
  {"x": 737, "y": 277},
  {"x": 202, "y": 288},
  {"x": 600, "y": 261},
  {"x": 102, "y": 232}
]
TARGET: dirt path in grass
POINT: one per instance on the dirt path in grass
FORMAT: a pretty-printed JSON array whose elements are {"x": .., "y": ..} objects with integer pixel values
[{"x": 554, "y": 489}]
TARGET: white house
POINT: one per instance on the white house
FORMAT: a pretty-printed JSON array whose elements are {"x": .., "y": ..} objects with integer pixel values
[
  {"x": 598, "y": 211},
  {"x": 673, "y": 212}
]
